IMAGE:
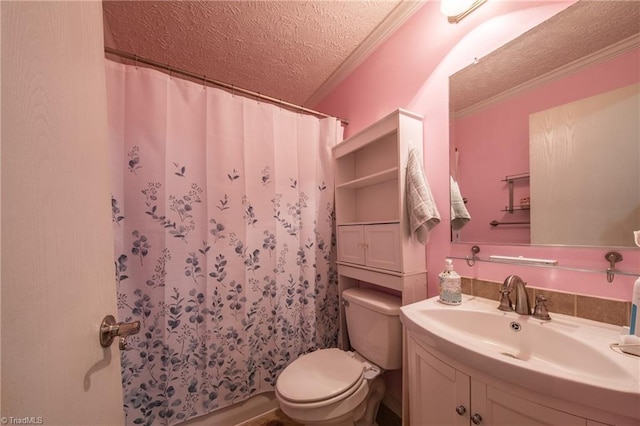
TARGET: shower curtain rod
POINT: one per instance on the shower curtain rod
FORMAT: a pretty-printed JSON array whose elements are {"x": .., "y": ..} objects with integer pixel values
[{"x": 139, "y": 59}]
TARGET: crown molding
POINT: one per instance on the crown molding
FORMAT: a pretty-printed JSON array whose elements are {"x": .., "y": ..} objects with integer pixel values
[
  {"x": 571, "y": 68},
  {"x": 398, "y": 16}
]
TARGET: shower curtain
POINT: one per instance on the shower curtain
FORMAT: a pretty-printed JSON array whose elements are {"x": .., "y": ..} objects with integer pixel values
[{"x": 222, "y": 208}]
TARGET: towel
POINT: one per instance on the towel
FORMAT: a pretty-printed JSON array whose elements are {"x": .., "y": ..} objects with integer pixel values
[
  {"x": 459, "y": 214},
  {"x": 422, "y": 211}
]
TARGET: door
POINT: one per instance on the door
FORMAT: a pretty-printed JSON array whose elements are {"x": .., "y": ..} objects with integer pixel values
[
  {"x": 57, "y": 245},
  {"x": 497, "y": 407},
  {"x": 351, "y": 244},
  {"x": 383, "y": 245},
  {"x": 438, "y": 394}
]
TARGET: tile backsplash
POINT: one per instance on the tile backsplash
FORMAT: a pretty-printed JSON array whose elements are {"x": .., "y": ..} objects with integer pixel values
[{"x": 594, "y": 308}]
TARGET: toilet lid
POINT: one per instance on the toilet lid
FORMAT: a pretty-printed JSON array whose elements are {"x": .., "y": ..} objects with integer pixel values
[{"x": 319, "y": 375}]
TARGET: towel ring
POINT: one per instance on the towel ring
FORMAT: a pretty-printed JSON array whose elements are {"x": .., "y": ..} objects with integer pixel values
[
  {"x": 472, "y": 261},
  {"x": 613, "y": 257}
]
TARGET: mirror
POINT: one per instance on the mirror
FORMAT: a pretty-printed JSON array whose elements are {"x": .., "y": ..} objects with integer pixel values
[{"x": 588, "y": 51}]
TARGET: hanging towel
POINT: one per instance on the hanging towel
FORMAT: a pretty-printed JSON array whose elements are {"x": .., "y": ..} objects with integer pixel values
[
  {"x": 459, "y": 214},
  {"x": 422, "y": 211}
]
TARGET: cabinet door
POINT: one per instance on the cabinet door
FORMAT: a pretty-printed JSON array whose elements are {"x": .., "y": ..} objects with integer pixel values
[
  {"x": 498, "y": 407},
  {"x": 383, "y": 246},
  {"x": 436, "y": 391},
  {"x": 351, "y": 244}
]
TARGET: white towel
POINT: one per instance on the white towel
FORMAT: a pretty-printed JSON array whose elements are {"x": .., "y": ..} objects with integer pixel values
[
  {"x": 459, "y": 214},
  {"x": 422, "y": 211}
]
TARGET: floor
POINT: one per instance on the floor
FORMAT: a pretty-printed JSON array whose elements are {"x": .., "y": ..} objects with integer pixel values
[
  {"x": 272, "y": 418},
  {"x": 385, "y": 417}
]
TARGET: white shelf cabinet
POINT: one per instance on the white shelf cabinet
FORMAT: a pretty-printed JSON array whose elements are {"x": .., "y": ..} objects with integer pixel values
[
  {"x": 374, "y": 242},
  {"x": 374, "y": 246}
]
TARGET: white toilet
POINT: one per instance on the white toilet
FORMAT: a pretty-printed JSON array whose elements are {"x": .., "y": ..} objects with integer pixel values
[{"x": 334, "y": 387}]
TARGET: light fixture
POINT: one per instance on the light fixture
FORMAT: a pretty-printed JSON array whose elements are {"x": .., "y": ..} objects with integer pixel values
[{"x": 455, "y": 10}]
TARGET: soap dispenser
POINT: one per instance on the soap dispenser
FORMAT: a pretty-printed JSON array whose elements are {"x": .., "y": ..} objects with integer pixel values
[
  {"x": 634, "y": 321},
  {"x": 450, "y": 285}
]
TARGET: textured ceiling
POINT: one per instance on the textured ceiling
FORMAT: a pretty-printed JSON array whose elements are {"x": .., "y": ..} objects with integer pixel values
[
  {"x": 283, "y": 49},
  {"x": 297, "y": 50},
  {"x": 581, "y": 29}
]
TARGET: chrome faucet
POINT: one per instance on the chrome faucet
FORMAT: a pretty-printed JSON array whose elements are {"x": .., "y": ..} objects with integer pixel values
[{"x": 522, "y": 306}]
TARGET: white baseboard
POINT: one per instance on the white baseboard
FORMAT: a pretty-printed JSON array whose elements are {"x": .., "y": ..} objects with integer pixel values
[{"x": 239, "y": 413}]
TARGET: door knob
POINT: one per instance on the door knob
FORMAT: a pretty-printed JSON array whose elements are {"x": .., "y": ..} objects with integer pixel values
[
  {"x": 110, "y": 329},
  {"x": 476, "y": 419},
  {"x": 461, "y": 410}
]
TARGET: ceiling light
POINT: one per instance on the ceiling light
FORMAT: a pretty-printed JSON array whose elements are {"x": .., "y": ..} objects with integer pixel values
[{"x": 455, "y": 10}]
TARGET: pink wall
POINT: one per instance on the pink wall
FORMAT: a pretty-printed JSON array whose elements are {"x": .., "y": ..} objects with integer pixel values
[
  {"x": 411, "y": 70},
  {"x": 494, "y": 142}
]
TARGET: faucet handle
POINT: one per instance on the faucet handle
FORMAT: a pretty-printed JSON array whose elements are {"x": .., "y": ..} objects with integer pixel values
[
  {"x": 505, "y": 301},
  {"x": 540, "y": 311}
]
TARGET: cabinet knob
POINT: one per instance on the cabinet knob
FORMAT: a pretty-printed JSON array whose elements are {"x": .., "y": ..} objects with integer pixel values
[
  {"x": 461, "y": 410},
  {"x": 476, "y": 419}
]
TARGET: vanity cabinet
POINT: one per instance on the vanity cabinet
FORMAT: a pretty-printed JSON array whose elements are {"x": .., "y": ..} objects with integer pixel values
[
  {"x": 373, "y": 239},
  {"x": 439, "y": 394}
]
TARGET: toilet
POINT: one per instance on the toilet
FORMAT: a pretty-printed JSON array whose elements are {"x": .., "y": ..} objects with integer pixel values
[{"x": 344, "y": 388}]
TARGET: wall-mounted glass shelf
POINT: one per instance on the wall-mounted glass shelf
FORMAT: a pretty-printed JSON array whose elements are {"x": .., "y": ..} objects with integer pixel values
[
  {"x": 510, "y": 180},
  {"x": 514, "y": 208},
  {"x": 472, "y": 259}
]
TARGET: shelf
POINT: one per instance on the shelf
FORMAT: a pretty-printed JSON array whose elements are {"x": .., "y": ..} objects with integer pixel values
[
  {"x": 389, "y": 125},
  {"x": 472, "y": 259},
  {"x": 380, "y": 177},
  {"x": 510, "y": 181},
  {"x": 516, "y": 177},
  {"x": 381, "y": 277},
  {"x": 514, "y": 208},
  {"x": 373, "y": 240},
  {"x": 376, "y": 222}
]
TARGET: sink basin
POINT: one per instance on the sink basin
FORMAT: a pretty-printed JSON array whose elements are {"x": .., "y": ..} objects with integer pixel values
[
  {"x": 567, "y": 357},
  {"x": 524, "y": 338}
]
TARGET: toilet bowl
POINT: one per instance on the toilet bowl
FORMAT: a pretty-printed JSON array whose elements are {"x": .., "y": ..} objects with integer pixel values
[
  {"x": 344, "y": 388},
  {"x": 330, "y": 387}
]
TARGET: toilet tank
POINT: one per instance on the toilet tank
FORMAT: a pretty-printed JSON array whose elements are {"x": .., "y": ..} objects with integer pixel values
[{"x": 373, "y": 323}]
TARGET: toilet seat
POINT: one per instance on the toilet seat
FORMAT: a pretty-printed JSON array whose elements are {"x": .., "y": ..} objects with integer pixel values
[{"x": 320, "y": 378}]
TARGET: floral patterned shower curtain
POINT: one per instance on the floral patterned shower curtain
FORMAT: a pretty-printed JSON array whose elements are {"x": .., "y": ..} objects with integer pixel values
[{"x": 223, "y": 215}]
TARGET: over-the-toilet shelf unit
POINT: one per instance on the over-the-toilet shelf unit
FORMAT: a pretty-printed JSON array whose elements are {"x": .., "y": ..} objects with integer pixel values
[{"x": 374, "y": 242}]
